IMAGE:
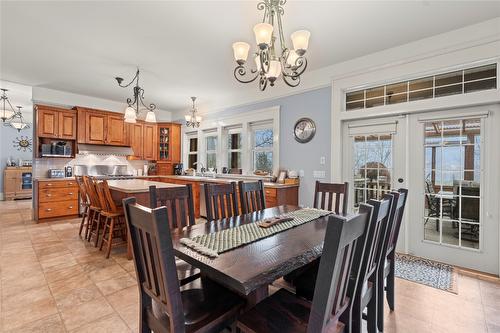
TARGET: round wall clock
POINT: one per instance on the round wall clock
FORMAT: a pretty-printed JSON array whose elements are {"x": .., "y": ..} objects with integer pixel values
[{"x": 304, "y": 130}]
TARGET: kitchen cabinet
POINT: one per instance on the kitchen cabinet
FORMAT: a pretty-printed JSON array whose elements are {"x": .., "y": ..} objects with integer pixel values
[
  {"x": 101, "y": 127},
  {"x": 164, "y": 168},
  {"x": 169, "y": 147},
  {"x": 135, "y": 132},
  {"x": 96, "y": 126},
  {"x": 17, "y": 183},
  {"x": 149, "y": 142},
  {"x": 117, "y": 134},
  {"x": 56, "y": 123},
  {"x": 55, "y": 198}
]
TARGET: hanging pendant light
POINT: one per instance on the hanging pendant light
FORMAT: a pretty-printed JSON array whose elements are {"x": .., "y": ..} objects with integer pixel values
[
  {"x": 17, "y": 121},
  {"x": 192, "y": 119},
  {"x": 5, "y": 113},
  {"x": 132, "y": 110},
  {"x": 290, "y": 64}
]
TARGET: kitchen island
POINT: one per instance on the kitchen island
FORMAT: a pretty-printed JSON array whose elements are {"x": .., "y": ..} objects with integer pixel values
[{"x": 138, "y": 188}]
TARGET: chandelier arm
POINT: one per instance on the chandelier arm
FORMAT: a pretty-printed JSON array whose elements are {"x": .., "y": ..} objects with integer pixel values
[
  {"x": 279, "y": 12},
  {"x": 262, "y": 83},
  {"x": 131, "y": 81},
  {"x": 264, "y": 59},
  {"x": 292, "y": 79},
  {"x": 298, "y": 69},
  {"x": 240, "y": 71}
]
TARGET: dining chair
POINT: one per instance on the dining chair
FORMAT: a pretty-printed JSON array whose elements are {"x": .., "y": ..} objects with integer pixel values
[
  {"x": 93, "y": 227},
  {"x": 208, "y": 309},
  {"x": 221, "y": 201},
  {"x": 284, "y": 312},
  {"x": 180, "y": 210},
  {"x": 387, "y": 262},
  {"x": 252, "y": 196},
  {"x": 84, "y": 202},
  {"x": 330, "y": 194},
  {"x": 113, "y": 219}
]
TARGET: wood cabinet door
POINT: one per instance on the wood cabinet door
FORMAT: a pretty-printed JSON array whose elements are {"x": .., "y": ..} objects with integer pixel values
[
  {"x": 67, "y": 125},
  {"x": 116, "y": 131},
  {"x": 47, "y": 123},
  {"x": 165, "y": 169},
  {"x": 136, "y": 140},
  {"x": 175, "y": 143},
  {"x": 149, "y": 142},
  {"x": 96, "y": 125},
  {"x": 10, "y": 184}
]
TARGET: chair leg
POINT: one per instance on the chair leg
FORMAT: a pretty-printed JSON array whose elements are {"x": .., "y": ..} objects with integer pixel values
[
  {"x": 103, "y": 238},
  {"x": 390, "y": 285},
  {"x": 85, "y": 214},
  {"x": 90, "y": 222},
  {"x": 372, "y": 313},
  {"x": 356, "y": 320},
  {"x": 380, "y": 302},
  {"x": 110, "y": 237},
  {"x": 97, "y": 228}
]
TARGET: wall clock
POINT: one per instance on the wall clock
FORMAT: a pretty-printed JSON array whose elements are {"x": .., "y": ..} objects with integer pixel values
[
  {"x": 304, "y": 130},
  {"x": 23, "y": 143}
]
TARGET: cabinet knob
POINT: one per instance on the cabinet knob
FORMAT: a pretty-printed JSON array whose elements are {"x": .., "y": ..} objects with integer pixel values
[
  {"x": 70, "y": 193},
  {"x": 48, "y": 210},
  {"x": 70, "y": 207},
  {"x": 49, "y": 195},
  {"x": 49, "y": 184}
]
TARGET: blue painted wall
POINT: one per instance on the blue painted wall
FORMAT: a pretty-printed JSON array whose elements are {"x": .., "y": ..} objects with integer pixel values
[{"x": 315, "y": 104}]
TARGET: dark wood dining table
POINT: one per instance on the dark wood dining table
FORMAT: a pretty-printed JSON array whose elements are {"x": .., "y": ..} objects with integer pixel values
[{"x": 249, "y": 270}]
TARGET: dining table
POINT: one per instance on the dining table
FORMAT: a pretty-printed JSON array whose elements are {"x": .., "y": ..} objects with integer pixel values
[{"x": 248, "y": 270}]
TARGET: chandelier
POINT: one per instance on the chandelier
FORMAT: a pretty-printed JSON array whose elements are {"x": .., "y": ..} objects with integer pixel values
[
  {"x": 270, "y": 64},
  {"x": 132, "y": 110},
  {"x": 6, "y": 114},
  {"x": 17, "y": 121},
  {"x": 192, "y": 120}
]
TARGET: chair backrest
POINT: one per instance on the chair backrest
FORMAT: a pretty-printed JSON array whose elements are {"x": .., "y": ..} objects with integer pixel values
[
  {"x": 341, "y": 239},
  {"x": 395, "y": 219},
  {"x": 252, "y": 196},
  {"x": 332, "y": 193},
  {"x": 179, "y": 203},
  {"x": 221, "y": 201},
  {"x": 368, "y": 251},
  {"x": 83, "y": 192},
  {"x": 154, "y": 260},
  {"x": 105, "y": 197},
  {"x": 90, "y": 187}
]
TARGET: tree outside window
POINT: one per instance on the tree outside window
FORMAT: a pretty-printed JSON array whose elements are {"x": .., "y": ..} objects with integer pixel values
[{"x": 263, "y": 150}]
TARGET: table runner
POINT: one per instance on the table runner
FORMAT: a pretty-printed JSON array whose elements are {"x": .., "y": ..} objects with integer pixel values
[{"x": 224, "y": 240}]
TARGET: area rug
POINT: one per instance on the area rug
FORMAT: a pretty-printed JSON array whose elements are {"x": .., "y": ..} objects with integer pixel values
[{"x": 428, "y": 272}]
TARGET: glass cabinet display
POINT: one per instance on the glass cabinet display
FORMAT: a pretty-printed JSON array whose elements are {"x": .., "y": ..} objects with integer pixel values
[{"x": 164, "y": 142}]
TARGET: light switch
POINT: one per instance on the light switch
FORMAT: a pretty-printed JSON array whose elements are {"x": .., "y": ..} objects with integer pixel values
[{"x": 322, "y": 160}]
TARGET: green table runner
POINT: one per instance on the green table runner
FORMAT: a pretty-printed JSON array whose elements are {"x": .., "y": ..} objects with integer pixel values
[{"x": 221, "y": 241}]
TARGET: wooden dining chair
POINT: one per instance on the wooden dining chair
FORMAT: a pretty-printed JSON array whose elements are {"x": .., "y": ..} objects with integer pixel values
[
  {"x": 208, "y": 309},
  {"x": 221, "y": 201},
  {"x": 387, "y": 262},
  {"x": 94, "y": 225},
  {"x": 113, "y": 219},
  {"x": 252, "y": 196},
  {"x": 180, "y": 210},
  {"x": 331, "y": 195},
  {"x": 284, "y": 312},
  {"x": 84, "y": 202}
]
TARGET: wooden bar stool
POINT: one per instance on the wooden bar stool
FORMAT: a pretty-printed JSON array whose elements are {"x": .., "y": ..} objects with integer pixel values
[
  {"x": 94, "y": 220},
  {"x": 85, "y": 203},
  {"x": 113, "y": 219}
]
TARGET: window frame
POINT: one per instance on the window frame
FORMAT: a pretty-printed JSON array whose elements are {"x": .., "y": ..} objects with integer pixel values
[
  {"x": 229, "y": 150},
  {"x": 254, "y": 149},
  {"x": 188, "y": 137}
]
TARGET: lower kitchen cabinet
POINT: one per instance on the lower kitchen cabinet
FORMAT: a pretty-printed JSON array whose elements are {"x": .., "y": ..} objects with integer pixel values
[{"x": 55, "y": 198}]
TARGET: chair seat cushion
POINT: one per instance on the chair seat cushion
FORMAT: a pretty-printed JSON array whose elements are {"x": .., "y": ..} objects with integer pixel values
[{"x": 279, "y": 313}]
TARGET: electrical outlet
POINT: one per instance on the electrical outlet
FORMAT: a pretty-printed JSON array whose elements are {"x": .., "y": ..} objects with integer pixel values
[
  {"x": 319, "y": 174},
  {"x": 322, "y": 160}
]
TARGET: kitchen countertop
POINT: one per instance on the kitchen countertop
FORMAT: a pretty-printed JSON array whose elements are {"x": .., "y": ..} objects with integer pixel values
[
  {"x": 47, "y": 179},
  {"x": 136, "y": 185}
]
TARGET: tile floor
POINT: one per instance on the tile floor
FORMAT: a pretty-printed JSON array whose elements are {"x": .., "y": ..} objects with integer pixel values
[{"x": 52, "y": 281}]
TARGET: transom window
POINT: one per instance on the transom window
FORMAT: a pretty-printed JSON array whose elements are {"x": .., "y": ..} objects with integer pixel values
[
  {"x": 452, "y": 83},
  {"x": 452, "y": 182}
]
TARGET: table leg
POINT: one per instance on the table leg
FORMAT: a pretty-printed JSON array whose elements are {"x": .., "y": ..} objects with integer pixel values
[{"x": 256, "y": 296}]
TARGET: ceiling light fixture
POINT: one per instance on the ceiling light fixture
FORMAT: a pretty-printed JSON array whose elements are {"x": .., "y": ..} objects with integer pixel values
[
  {"x": 6, "y": 114},
  {"x": 133, "y": 108},
  {"x": 192, "y": 120},
  {"x": 17, "y": 121},
  {"x": 269, "y": 65}
]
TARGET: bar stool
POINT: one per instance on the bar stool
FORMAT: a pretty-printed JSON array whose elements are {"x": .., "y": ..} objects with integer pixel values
[
  {"x": 84, "y": 202},
  {"x": 94, "y": 219},
  {"x": 113, "y": 218}
]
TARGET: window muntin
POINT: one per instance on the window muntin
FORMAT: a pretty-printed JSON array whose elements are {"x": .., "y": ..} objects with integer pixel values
[
  {"x": 262, "y": 149},
  {"x": 234, "y": 145},
  {"x": 211, "y": 151},
  {"x": 192, "y": 152},
  {"x": 452, "y": 83},
  {"x": 452, "y": 182}
]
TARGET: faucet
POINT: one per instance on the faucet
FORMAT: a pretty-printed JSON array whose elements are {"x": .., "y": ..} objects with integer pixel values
[{"x": 202, "y": 169}]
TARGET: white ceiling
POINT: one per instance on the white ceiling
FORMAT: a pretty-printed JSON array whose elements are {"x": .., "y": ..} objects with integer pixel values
[{"x": 184, "y": 47}]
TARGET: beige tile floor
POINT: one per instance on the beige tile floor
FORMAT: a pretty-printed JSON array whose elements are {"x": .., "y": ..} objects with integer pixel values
[{"x": 52, "y": 281}]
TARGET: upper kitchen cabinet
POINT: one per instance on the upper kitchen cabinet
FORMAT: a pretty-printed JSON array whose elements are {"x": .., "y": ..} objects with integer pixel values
[
  {"x": 169, "y": 142},
  {"x": 101, "y": 127},
  {"x": 136, "y": 139},
  {"x": 149, "y": 142},
  {"x": 55, "y": 123}
]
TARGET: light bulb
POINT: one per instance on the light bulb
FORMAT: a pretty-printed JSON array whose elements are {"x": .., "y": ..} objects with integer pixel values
[
  {"x": 198, "y": 119},
  {"x": 240, "y": 50},
  {"x": 130, "y": 115},
  {"x": 150, "y": 117},
  {"x": 263, "y": 34},
  {"x": 300, "y": 40}
]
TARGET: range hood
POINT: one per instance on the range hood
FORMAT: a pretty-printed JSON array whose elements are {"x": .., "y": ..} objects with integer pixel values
[{"x": 86, "y": 149}]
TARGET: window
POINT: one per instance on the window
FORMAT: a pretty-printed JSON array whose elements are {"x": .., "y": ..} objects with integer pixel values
[
  {"x": 452, "y": 83},
  {"x": 263, "y": 149},
  {"x": 192, "y": 152},
  {"x": 452, "y": 182},
  {"x": 234, "y": 150},
  {"x": 211, "y": 151}
]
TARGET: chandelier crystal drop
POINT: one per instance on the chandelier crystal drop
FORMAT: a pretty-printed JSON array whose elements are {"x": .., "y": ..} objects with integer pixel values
[
  {"x": 269, "y": 65},
  {"x": 192, "y": 119},
  {"x": 134, "y": 105}
]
